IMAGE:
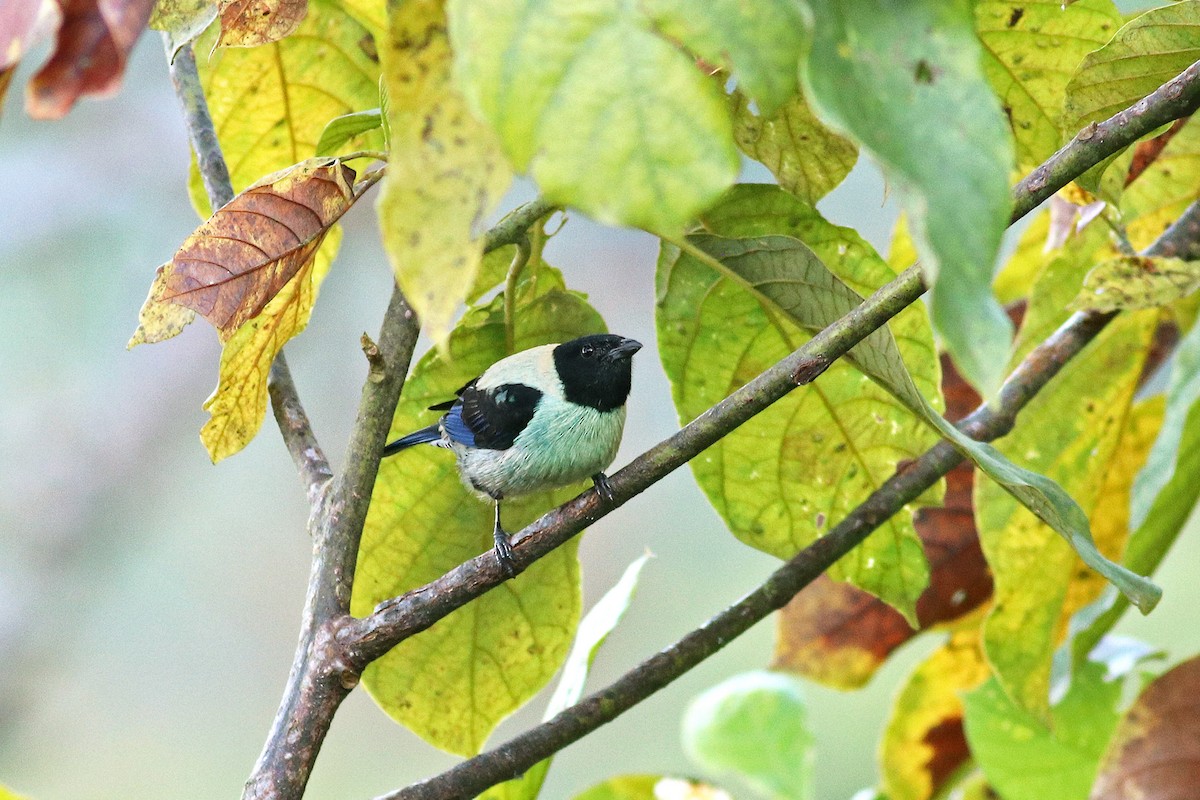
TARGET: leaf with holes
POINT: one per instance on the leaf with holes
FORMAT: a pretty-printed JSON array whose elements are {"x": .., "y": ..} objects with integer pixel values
[
  {"x": 250, "y": 23},
  {"x": 917, "y": 101},
  {"x": 270, "y": 104},
  {"x": 605, "y": 113},
  {"x": 923, "y": 741},
  {"x": 243, "y": 256},
  {"x": 1031, "y": 49},
  {"x": 1131, "y": 282},
  {"x": 780, "y": 480},
  {"x": 807, "y": 158},
  {"x": 430, "y": 227},
  {"x": 453, "y": 683}
]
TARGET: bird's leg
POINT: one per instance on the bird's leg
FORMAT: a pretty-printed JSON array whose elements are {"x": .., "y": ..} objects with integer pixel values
[
  {"x": 504, "y": 551},
  {"x": 603, "y": 487}
]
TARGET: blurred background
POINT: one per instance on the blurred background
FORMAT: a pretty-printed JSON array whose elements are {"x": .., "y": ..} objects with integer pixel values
[{"x": 149, "y": 601}]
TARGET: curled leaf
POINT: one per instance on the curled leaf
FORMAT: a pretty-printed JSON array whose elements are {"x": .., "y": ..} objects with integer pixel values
[
  {"x": 241, "y": 258},
  {"x": 182, "y": 21}
]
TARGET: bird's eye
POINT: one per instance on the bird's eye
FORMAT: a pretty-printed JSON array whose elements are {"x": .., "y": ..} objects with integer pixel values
[{"x": 586, "y": 351}]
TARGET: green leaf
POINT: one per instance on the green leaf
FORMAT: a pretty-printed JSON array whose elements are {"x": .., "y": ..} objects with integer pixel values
[
  {"x": 1144, "y": 54},
  {"x": 918, "y": 102},
  {"x": 605, "y": 114},
  {"x": 1137, "y": 282},
  {"x": 340, "y": 130},
  {"x": 760, "y": 42},
  {"x": 454, "y": 682},
  {"x": 754, "y": 725},
  {"x": 1025, "y": 758},
  {"x": 592, "y": 631},
  {"x": 829, "y": 444},
  {"x": 807, "y": 158},
  {"x": 429, "y": 226},
  {"x": 1031, "y": 49},
  {"x": 270, "y": 103},
  {"x": 1069, "y": 432},
  {"x": 182, "y": 21}
]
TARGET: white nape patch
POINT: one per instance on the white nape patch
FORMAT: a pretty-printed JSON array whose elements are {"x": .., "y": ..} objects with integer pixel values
[{"x": 533, "y": 367}]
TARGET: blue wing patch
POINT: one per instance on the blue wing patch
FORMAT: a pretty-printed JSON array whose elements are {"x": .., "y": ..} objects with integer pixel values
[{"x": 456, "y": 427}]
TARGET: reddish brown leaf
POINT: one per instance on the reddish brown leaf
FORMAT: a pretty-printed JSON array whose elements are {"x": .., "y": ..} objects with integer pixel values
[
  {"x": 234, "y": 263},
  {"x": 1155, "y": 754},
  {"x": 839, "y": 635},
  {"x": 22, "y": 23},
  {"x": 89, "y": 56},
  {"x": 249, "y": 23}
]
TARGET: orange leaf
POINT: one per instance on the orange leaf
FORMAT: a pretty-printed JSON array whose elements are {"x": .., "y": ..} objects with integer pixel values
[
  {"x": 89, "y": 56},
  {"x": 238, "y": 260},
  {"x": 1155, "y": 754},
  {"x": 249, "y": 23}
]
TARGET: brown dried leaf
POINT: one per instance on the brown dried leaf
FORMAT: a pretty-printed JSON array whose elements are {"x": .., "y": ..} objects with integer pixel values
[
  {"x": 249, "y": 23},
  {"x": 89, "y": 56},
  {"x": 838, "y": 634},
  {"x": 22, "y": 24},
  {"x": 237, "y": 261},
  {"x": 1155, "y": 754}
]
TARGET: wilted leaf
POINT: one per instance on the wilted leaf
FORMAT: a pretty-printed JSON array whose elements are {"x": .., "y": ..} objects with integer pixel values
[
  {"x": 1069, "y": 432},
  {"x": 454, "y": 682},
  {"x": 341, "y": 130},
  {"x": 182, "y": 21},
  {"x": 1025, "y": 758},
  {"x": 1031, "y": 49},
  {"x": 90, "y": 51},
  {"x": 1132, "y": 282},
  {"x": 22, "y": 24},
  {"x": 239, "y": 403},
  {"x": 1144, "y": 54},
  {"x": 158, "y": 319},
  {"x": 759, "y": 42},
  {"x": 445, "y": 170},
  {"x": 805, "y": 157},
  {"x": 923, "y": 743},
  {"x": 237, "y": 261},
  {"x": 837, "y": 634},
  {"x": 593, "y": 630},
  {"x": 605, "y": 114},
  {"x": 754, "y": 725},
  {"x": 797, "y": 468},
  {"x": 918, "y": 102},
  {"x": 250, "y": 23},
  {"x": 652, "y": 787},
  {"x": 1155, "y": 754},
  {"x": 270, "y": 104}
]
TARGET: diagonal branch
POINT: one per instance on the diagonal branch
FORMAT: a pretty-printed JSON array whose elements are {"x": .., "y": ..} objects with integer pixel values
[{"x": 988, "y": 422}]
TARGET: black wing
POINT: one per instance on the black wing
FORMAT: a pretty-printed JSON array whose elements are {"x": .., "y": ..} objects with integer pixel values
[
  {"x": 449, "y": 404},
  {"x": 491, "y": 418}
]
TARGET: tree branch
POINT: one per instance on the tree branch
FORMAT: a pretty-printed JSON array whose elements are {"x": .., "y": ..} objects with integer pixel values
[
  {"x": 401, "y": 617},
  {"x": 988, "y": 422}
]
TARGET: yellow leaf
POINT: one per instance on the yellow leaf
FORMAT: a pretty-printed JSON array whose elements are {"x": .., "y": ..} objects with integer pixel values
[
  {"x": 238, "y": 404},
  {"x": 445, "y": 171},
  {"x": 159, "y": 320}
]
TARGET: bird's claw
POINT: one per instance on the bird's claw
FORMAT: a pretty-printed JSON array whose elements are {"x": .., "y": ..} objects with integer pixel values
[
  {"x": 603, "y": 487},
  {"x": 504, "y": 554}
]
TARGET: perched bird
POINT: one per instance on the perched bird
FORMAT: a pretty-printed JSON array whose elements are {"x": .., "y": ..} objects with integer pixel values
[{"x": 538, "y": 419}]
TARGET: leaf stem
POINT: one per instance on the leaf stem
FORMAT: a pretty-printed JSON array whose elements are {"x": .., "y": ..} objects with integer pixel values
[
  {"x": 377, "y": 155},
  {"x": 520, "y": 259}
]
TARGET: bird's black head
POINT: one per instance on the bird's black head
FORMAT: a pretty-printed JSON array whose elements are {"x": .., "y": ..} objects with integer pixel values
[{"x": 596, "y": 370}]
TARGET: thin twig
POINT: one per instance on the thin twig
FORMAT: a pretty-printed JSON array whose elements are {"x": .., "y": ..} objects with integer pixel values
[{"x": 520, "y": 259}]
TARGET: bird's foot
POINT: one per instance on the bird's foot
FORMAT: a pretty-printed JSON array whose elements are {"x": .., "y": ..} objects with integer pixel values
[
  {"x": 603, "y": 487},
  {"x": 504, "y": 553}
]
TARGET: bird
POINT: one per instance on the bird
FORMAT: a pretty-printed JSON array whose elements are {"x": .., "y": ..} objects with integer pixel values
[{"x": 539, "y": 419}]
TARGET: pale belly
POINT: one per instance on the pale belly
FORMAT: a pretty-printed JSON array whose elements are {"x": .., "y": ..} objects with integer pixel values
[{"x": 579, "y": 447}]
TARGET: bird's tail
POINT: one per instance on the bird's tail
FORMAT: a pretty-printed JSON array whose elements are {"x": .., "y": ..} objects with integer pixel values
[{"x": 423, "y": 436}]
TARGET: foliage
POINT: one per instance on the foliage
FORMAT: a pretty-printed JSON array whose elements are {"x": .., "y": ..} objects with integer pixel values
[{"x": 635, "y": 113}]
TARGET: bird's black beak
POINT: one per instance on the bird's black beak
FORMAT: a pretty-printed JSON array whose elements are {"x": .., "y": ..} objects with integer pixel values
[{"x": 625, "y": 349}]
